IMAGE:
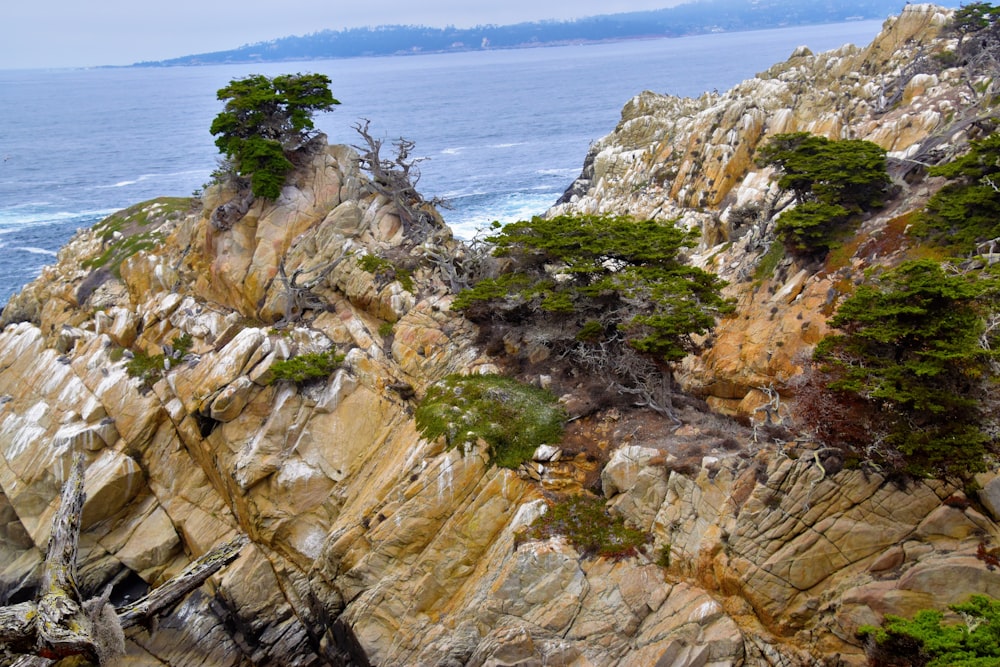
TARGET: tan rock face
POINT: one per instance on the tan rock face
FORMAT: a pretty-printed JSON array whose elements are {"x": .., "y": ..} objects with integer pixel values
[{"x": 366, "y": 538}]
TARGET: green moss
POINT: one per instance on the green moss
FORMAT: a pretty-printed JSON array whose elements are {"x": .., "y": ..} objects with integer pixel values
[
  {"x": 769, "y": 261},
  {"x": 590, "y": 528},
  {"x": 385, "y": 329},
  {"x": 124, "y": 233},
  {"x": 513, "y": 418},
  {"x": 306, "y": 367}
]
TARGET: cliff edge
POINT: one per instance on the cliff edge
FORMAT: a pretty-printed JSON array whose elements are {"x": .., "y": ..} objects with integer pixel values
[{"x": 370, "y": 545}]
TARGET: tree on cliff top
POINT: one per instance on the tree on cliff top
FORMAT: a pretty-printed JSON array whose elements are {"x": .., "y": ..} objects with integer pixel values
[{"x": 265, "y": 120}]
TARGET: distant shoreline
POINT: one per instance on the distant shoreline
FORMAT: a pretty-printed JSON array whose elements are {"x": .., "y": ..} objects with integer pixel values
[{"x": 692, "y": 19}]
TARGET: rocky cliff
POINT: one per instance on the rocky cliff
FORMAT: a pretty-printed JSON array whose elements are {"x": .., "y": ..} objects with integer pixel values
[{"x": 371, "y": 545}]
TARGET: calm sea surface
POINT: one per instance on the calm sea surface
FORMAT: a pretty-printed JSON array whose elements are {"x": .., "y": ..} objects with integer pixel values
[{"x": 504, "y": 132}]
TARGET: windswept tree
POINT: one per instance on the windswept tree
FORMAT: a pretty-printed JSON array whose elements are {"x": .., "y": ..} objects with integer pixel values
[
  {"x": 832, "y": 183},
  {"x": 965, "y": 213},
  {"x": 265, "y": 120},
  {"x": 610, "y": 293},
  {"x": 909, "y": 359}
]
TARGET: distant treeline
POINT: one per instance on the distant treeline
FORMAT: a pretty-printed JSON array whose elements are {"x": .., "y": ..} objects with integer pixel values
[{"x": 688, "y": 19}]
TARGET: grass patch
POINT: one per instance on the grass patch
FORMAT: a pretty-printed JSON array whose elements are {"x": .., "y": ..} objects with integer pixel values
[
  {"x": 590, "y": 528},
  {"x": 126, "y": 232},
  {"x": 306, "y": 367},
  {"x": 513, "y": 418}
]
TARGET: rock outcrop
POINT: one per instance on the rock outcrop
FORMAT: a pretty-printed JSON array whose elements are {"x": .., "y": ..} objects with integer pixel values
[{"x": 371, "y": 545}]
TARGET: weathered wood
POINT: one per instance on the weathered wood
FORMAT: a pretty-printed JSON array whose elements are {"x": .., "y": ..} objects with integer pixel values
[
  {"x": 57, "y": 625},
  {"x": 61, "y": 627},
  {"x": 194, "y": 575}
]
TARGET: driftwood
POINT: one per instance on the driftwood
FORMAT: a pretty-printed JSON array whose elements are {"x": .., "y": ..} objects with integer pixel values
[{"x": 59, "y": 623}]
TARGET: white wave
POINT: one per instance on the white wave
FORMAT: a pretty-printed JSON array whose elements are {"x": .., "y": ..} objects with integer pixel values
[
  {"x": 467, "y": 222},
  {"x": 34, "y": 251},
  {"x": 13, "y": 221},
  {"x": 452, "y": 151},
  {"x": 559, "y": 172},
  {"x": 510, "y": 144}
]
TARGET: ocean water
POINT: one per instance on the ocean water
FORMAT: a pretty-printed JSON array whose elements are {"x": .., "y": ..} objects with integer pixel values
[{"x": 501, "y": 133}]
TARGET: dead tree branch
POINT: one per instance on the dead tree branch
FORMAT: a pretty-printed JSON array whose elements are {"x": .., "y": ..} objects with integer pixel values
[
  {"x": 59, "y": 623},
  {"x": 397, "y": 179}
]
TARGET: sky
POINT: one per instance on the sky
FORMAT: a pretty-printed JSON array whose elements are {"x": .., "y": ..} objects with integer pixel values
[{"x": 75, "y": 33}]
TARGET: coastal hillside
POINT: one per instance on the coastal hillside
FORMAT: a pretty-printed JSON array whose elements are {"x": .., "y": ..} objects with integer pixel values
[
  {"x": 275, "y": 369},
  {"x": 689, "y": 18}
]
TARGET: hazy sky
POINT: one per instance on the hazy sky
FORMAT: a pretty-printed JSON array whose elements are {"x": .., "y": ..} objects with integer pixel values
[{"x": 81, "y": 33}]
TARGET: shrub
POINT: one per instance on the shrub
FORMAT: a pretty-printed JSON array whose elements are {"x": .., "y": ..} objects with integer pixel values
[
  {"x": 925, "y": 642},
  {"x": 148, "y": 368},
  {"x": 513, "y": 418},
  {"x": 589, "y": 527},
  {"x": 385, "y": 270},
  {"x": 307, "y": 367}
]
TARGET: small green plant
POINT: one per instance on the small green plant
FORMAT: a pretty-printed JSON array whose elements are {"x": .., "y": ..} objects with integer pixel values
[
  {"x": 385, "y": 270},
  {"x": 306, "y": 367},
  {"x": 590, "y": 528},
  {"x": 925, "y": 642},
  {"x": 182, "y": 344},
  {"x": 513, "y": 418},
  {"x": 145, "y": 367},
  {"x": 664, "y": 558},
  {"x": 385, "y": 329}
]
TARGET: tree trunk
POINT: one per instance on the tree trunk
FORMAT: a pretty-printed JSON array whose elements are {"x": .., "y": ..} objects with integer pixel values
[{"x": 57, "y": 623}]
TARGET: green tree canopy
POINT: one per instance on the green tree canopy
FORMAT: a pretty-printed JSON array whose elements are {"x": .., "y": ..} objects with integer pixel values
[
  {"x": 925, "y": 641},
  {"x": 966, "y": 211},
  {"x": 832, "y": 181},
  {"x": 601, "y": 289},
  {"x": 265, "y": 120},
  {"x": 910, "y": 348},
  {"x": 973, "y": 17}
]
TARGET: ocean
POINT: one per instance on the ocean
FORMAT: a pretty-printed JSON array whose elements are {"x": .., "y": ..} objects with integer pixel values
[{"x": 501, "y": 134}]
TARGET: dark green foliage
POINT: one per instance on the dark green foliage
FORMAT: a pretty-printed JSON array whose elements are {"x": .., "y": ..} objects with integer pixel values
[
  {"x": 966, "y": 211},
  {"x": 589, "y": 527},
  {"x": 973, "y": 17},
  {"x": 306, "y": 367},
  {"x": 147, "y": 368},
  {"x": 265, "y": 119},
  {"x": 513, "y": 418},
  {"x": 925, "y": 642},
  {"x": 601, "y": 278},
  {"x": 833, "y": 182},
  {"x": 910, "y": 348}
]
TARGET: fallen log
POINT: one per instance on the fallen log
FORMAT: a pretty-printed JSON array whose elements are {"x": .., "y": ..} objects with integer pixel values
[{"x": 59, "y": 623}]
